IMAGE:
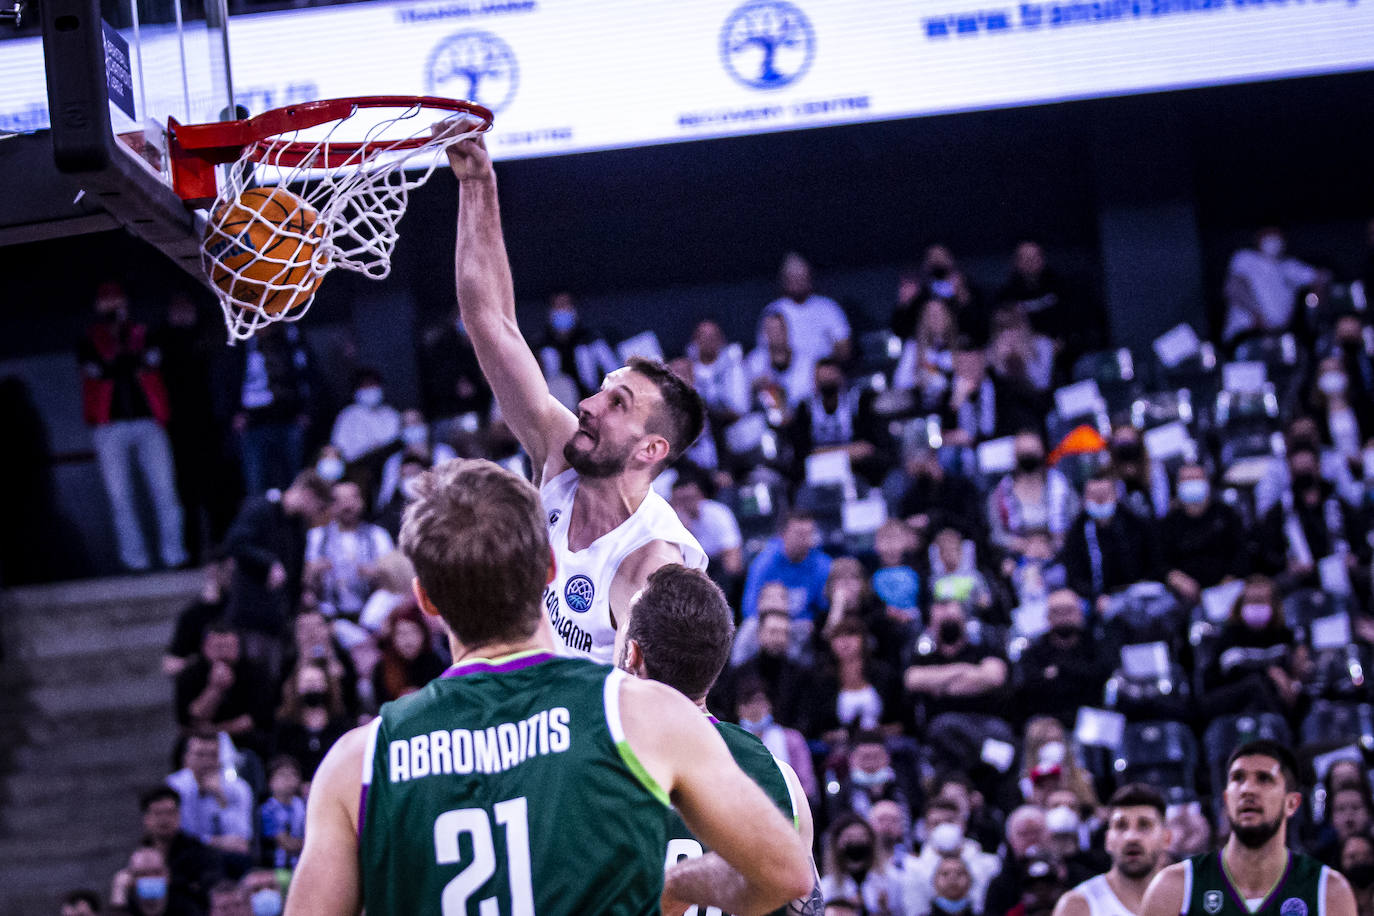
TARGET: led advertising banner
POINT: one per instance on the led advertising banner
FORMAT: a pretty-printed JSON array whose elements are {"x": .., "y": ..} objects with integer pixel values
[{"x": 573, "y": 75}]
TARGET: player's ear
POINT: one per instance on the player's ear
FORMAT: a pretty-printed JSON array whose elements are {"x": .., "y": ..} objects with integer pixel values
[
  {"x": 655, "y": 450},
  {"x": 422, "y": 598},
  {"x": 1291, "y": 803},
  {"x": 634, "y": 658}
]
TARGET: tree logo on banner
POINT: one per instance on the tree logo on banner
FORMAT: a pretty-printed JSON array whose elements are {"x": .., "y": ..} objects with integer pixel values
[
  {"x": 474, "y": 65},
  {"x": 767, "y": 44}
]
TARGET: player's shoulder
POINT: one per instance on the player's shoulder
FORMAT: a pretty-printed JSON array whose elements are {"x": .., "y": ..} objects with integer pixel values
[
  {"x": 740, "y": 741},
  {"x": 1074, "y": 902}
]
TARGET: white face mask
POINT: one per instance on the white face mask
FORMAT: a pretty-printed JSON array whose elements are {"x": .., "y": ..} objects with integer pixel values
[
  {"x": 1332, "y": 383},
  {"x": 1256, "y": 616},
  {"x": 947, "y": 838},
  {"x": 371, "y": 396},
  {"x": 1271, "y": 246}
]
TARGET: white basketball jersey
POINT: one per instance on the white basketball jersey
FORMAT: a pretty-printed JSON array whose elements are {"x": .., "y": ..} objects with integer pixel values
[
  {"x": 578, "y": 600},
  {"x": 1102, "y": 900}
]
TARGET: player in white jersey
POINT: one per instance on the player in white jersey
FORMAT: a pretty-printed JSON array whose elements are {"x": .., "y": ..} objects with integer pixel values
[
  {"x": 1138, "y": 843},
  {"x": 608, "y": 529}
]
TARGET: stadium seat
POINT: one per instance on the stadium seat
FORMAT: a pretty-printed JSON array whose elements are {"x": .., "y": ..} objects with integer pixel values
[
  {"x": 1157, "y": 408},
  {"x": 1199, "y": 374},
  {"x": 1331, "y": 723},
  {"x": 825, "y": 501},
  {"x": 878, "y": 353},
  {"x": 1114, "y": 372},
  {"x": 1226, "y": 733},
  {"x": 1162, "y": 753}
]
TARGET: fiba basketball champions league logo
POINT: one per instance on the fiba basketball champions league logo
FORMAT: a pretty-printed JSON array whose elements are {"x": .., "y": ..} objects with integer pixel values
[
  {"x": 578, "y": 594},
  {"x": 474, "y": 65},
  {"x": 767, "y": 44}
]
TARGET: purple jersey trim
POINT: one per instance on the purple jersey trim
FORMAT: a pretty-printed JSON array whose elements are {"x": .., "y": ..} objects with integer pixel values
[
  {"x": 500, "y": 665},
  {"x": 1235, "y": 894},
  {"x": 362, "y": 810}
]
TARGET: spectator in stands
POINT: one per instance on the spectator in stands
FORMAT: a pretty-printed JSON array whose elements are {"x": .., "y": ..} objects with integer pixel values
[
  {"x": 852, "y": 690},
  {"x": 1026, "y": 838},
  {"x": 80, "y": 903},
  {"x": 843, "y": 907},
  {"x": 935, "y": 497},
  {"x": 193, "y": 620},
  {"x": 1017, "y": 352},
  {"x": 849, "y": 864},
  {"x": 408, "y": 660},
  {"x": 228, "y": 899},
  {"x": 896, "y": 583},
  {"x": 1262, "y": 286},
  {"x": 942, "y": 278},
  {"x": 839, "y": 418},
  {"x": 1348, "y": 344},
  {"x": 267, "y": 543},
  {"x": 788, "y": 744},
  {"x": 273, "y": 387},
  {"x": 982, "y": 823},
  {"x": 416, "y": 442},
  {"x": 216, "y": 807},
  {"x": 125, "y": 404},
  {"x": 1033, "y": 496},
  {"x": 451, "y": 382},
  {"x": 1202, "y": 541},
  {"x": 945, "y": 826},
  {"x": 1309, "y": 523},
  {"x": 313, "y": 640},
  {"x": 574, "y": 357},
  {"x": 1303, "y": 434},
  {"x": 1048, "y": 301},
  {"x": 193, "y": 866},
  {"x": 1049, "y": 764},
  {"x": 795, "y": 559},
  {"x": 869, "y": 778},
  {"x": 816, "y": 325},
  {"x": 369, "y": 424},
  {"x": 1109, "y": 547},
  {"x": 224, "y": 691},
  {"x": 1346, "y": 422},
  {"x": 393, "y": 580},
  {"x": 264, "y": 892},
  {"x": 341, "y": 561},
  {"x": 718, "y": 373},
  {"x": 1037, "y": 572},
  {"x": 959, "y": 686},
  {"x": 1142, "y": 482},
  {"x": 390, "y": 513},
  {"x": 1349, "y": 812},
  {"x": 281, "y": 818},
  {"x": 926, "y": 365},
  {"x": 953, "y": 889},
  {"x": 849, "y": 595},
  {"x": 773, "y": 661},
  {"x": 891, "y": 823},
  {"x": 713, "y": 525},
  {"x": 143, "y": 888},
  {"x": 1257, "y": 664},
  {"x": 312, "y": 716},
  {"x": 1064, "y": 668},
  {"x": 1190, "y": 833},
  {"x": 954, "y": 572},
  {"x": 1357, "y": 864},
  {"x": 778, "y": 378}
]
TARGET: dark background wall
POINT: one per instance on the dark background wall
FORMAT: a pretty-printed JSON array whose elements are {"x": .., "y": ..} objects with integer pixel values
[{"x": 1141, "y": 198}]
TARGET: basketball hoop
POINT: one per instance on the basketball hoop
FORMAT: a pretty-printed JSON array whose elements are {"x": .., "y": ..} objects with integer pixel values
[{"x": 345, "y": 159}]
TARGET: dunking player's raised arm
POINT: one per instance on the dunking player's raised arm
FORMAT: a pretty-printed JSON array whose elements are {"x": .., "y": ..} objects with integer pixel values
[{"x": 486, "y": 297}]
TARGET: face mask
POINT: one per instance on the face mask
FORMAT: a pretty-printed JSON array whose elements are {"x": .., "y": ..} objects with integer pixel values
[
  {"x": 415, "y": 435},
  {"x": 873, "y": 780},
  {"x": 1066, "y": 631},
  {"x": 1128, "y": 451},
  {"x": 1304, "y": 480},
  {"x": 951, "y": 631},
  {"x": 563, "y": 321},
  {"x": 756, "y": 725},
  {"x": 331, "y": 469},
  {"x": 942, "y": 288},
  {"x": 267, "y": 902},
  {"x": 151, "y": 888},
  {"x": 1100, "y": 512},
  {"x": 1029, "y": 463},
  {"x": 371, "y": 396},
  {"x": 1256, "y": 616},
  {"x": 1062, "y": 819},
  {"x": 1361, "y": 875},
  {"x": 314, "y": 698},
  {"x": 1271, "y": 246},
  {"x": 1332, "y": 383},
  {"x": 947, "y": 839},
  {"x": 857, "y": 854},
  {"x": 1193, "y": 492},
  {"x": 828, "y": 389},
  {"x": 952, "y": 906}
]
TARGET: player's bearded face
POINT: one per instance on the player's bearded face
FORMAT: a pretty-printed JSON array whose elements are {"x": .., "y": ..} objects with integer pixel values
[{"x": 596, "y": 451}]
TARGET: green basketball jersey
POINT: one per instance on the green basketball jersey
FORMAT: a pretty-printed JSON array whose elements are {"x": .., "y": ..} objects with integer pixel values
[
  {"x": 759, "y": 764},
  {"x": 507, "y": 787},
  {"x": 1300, "y": 892}
]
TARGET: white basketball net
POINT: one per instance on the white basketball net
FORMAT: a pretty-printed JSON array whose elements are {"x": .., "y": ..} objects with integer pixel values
[{"x": 358, "y": 204}]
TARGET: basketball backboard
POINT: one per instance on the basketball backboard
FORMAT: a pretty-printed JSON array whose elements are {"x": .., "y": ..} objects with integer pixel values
[{"x": 116, "y": 71}]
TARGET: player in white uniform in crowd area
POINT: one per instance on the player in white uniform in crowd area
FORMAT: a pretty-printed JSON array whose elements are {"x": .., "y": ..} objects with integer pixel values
[
  {"x": 609, "y": 531},
  {"x": 1138, "y": 842}
]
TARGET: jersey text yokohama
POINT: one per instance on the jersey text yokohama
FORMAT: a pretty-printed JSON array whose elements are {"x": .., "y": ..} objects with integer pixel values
[
  {"x": 506, "y": 786},
  {"x": 578, "y": 600}
]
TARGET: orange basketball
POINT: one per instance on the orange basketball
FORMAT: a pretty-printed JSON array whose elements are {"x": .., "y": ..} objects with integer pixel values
[{"x": 260, "y": 249}]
